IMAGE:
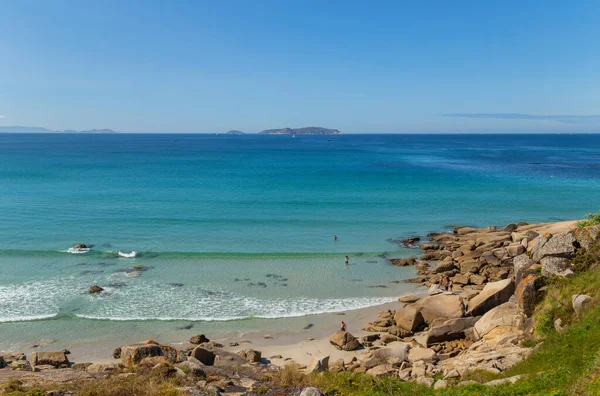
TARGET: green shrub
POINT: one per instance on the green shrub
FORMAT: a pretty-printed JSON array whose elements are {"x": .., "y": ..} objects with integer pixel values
[{"x": 592, "y": 219}]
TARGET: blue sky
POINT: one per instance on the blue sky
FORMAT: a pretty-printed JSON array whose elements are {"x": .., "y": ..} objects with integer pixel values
[{"x": 362, "y": 67}]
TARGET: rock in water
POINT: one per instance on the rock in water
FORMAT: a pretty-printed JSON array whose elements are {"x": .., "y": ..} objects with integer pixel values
[
  {"x": 95, "y": 289},
  {"x": 344, "y": 341},
  {"x": 80, "y": 246}
]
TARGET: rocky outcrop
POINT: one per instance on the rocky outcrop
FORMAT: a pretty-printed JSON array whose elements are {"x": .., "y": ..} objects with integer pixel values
[
  {"x": 54, "y": 359},
  {"x": 449, "y": 329},
  {"x": 343, "y": 340},
  {"x": 492, "y": 295},
  {"x": 310, "y": 391},
  {"x": 132, "y": 355},
  {"x": 250, "y": 355},
  {"x": 409, "y": 318},
  {"x": 422, "y": 354},
  {"x": 507, "y": 314},
  {"x": 561, "y": 245},
  {"x": 445, "y": 305},
  {"x": 318, "y": 364},
  {"x": 205, "y": 356},
  {"x": 527, "y": 293},
  {"x": 557, "y": 266},
  {"x": 403, "y": 262}
]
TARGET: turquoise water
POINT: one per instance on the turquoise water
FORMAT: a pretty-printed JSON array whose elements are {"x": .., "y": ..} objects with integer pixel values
[{"x": 239, "y": 229}]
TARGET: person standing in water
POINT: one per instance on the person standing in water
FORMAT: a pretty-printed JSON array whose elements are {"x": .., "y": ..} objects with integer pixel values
[
  {"x": 334, "y": 238},
  {"x": 347, "y": 260}
]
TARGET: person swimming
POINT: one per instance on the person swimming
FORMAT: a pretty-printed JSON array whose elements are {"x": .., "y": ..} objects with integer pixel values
[{"x": 334, "y": 238}]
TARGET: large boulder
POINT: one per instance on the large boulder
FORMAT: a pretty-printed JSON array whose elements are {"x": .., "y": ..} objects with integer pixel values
[
  {"x": 409, "y": 318},
  {"x": 587, "y": 236},
  {"x": 443, "y": 267},
  {"x": 397, "y": 350},
  {"x": 507, "y": 314},
  {"x": 344, "y": 341},
  {"x": 558, "y": 266},
  {"x": 581, "y": 302},
  {"x": 54, "y": 359},
  {"x": 492, "y": 295},
  {"x": 250, "y": 355},
  {"x": 561, "y": 245},
  {"x": 205, "y": 356},
  {"x": 318, "y": 364},
  {"x": 425, "y": 354},
  {"x": 449, "y": 329},
  {"x": 132, "y": 355},
  {"x": 526, "y": 293},
  {"x": 445, "y": 305},
  {"x": 521, "y": 264}
]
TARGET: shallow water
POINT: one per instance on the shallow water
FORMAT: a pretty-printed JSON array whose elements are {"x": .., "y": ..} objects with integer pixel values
[{"x": 202, "y": 211}]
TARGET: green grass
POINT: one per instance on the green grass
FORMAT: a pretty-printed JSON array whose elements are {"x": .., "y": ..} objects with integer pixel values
[{"x": 592, "y": 219}]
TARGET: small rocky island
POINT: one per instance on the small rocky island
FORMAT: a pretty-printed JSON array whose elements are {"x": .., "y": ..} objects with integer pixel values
[{"x": 302, "y": 131}]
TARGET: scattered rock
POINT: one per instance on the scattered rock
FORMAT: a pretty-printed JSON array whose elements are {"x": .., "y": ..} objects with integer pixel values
[
  {"x": 409, "y": 318},
  {"x": 205, "y": 356},
  {"x": 250, "y": 355},
  {"x": 507, "y": 314},
  {"x": 132, "y": 355},
  {"x": 318, "y": 364},
  {"x": 558, "y": 266},
  {"x": 199, "y": 339},
  {"x": 117, "y": 353},
  {"x": 403, "y": 262},
  {"x": 561, "y": 245},
  {"x": 581, "y": 302},
  {"x": 310, "y": 391},
  {"x": 54, "y": 359},
  {"x": 343, "y": 340},
  {"x": 425, "y": 354},
  {"x": 409, "y": 299}
]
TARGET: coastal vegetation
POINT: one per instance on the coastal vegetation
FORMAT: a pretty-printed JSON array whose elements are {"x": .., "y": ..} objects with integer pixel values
[{"x": 592, "y": 219}]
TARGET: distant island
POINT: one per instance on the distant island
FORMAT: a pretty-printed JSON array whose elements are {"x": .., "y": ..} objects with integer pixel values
[
  {"x": 234, "y": 132},
  {"x": 302, "y": 131},
  {"x": 26, "y": 129}
]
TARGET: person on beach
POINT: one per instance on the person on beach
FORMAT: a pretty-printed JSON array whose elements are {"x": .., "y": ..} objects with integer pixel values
[
  {"x": 347, "y": 260},
  {"x": 343, "y": 326}
]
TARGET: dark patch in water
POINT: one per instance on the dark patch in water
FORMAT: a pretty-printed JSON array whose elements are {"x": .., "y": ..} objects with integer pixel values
[
  {"x": 273, "y": 276},
  {"x": 90, "y": 272},
  {"x": 308, "y": 326},
  {"x": 237, "y": 280},
  {"x": 372, "y": 261},
  {"x": 283, "y": 279},
  {"x": 106, "y": 245},
  {"x": 378, "y": 286},
  {"x": 356, "y": 280},
  {"x": 283, "y": 284},
  {"x": 117, "y": 284},
  {"x": 186, "y": 327},
  {"x": 105, "y": 264},
  {"x": 176, "y": 284}
]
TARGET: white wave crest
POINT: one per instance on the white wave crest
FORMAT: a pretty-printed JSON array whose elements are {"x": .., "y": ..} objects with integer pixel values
[
  {"x": 76, "y": 250},
  {"x": 26, "y": 318},
  {"x": 127, "y": 255}
]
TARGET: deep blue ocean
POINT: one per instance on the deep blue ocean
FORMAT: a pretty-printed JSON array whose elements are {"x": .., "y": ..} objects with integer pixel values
[{"x": 242, "y": 226}]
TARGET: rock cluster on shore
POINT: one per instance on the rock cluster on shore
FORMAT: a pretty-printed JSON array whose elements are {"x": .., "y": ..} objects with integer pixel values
[{"x": 474, "y": 322}]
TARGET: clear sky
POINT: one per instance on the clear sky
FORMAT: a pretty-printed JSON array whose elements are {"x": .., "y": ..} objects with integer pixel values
[{"x": 361, "y": 67}]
